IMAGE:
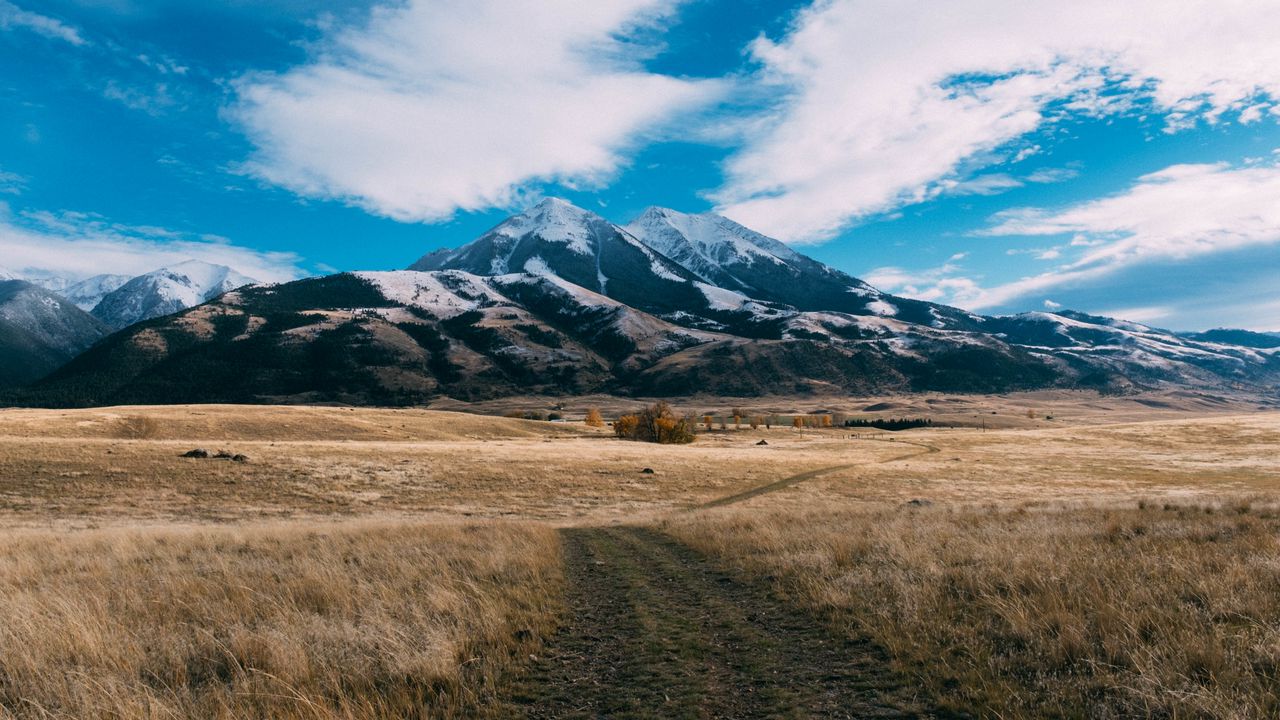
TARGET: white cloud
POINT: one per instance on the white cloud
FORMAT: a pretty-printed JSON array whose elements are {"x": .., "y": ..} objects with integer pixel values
[
  {"x": 1144, "y": 314},
  {"x": 12, "y": 16},
  {"x": 1181, "y": 212},
  {"x": 1045, "y": 176},
  {"x": 76, "y": 245},
  {"x": 433, "y": 107},
  {"x": 882, "y": 100},
  {"x": 988, "y": 184},
  {"x": 1051, "y": 305},
  {"x": 940, "y": 284}
]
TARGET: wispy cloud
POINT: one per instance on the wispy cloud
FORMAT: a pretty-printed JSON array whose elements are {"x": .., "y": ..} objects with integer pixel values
[
  {"x": 434, "y": 107},
  {"x": 79, "y": 245},
  {"x": 12, "y": 16},
  {"x": 11, "y": 183},
  {"x": 945, "y": 283},
  {"x": 881, "y": 102},
  {"x": 1181, "y": 212}
]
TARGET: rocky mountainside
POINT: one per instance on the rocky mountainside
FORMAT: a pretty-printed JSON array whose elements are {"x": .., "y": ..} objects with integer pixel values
[
  {"x": 558, "y": 300},
  {"x": 164, "y": 291},
  {"x": 39, "y": 332}
]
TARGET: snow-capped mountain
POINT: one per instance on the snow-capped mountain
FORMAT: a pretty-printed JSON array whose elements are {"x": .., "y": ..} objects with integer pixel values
[
  {"x": 557, "y": 238},
  {"x": 725, "y": 254},
  {"x": 39, "y": 331},
  {"x": 84, "y": 293},
  {"x": 559, "y": 300},
  {"x": 87, "y": 293},
  {"x": 166, "y": 291}
]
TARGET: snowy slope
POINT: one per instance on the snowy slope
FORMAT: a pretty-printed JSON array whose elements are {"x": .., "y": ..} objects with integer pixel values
[
  {"x": 166, "y": 291},
  {"x": 444, "y": 294},
  {"x": 86, "y": 294},
  {"x": 580, "y": 247},
  {"x": 706, "y": 243},
  {"x": 39, "y": 331},
  {"x": 725, "y": 254}
]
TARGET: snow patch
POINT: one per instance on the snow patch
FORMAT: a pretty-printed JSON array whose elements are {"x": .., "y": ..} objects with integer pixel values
[
  {"x": 444, "y": 294},
  {"x": 719, "y": 298},
  {"x": 882, "y": 308}
]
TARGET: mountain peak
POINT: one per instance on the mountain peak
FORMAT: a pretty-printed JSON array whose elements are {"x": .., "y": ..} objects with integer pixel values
[{"x": 167, "y": 290}]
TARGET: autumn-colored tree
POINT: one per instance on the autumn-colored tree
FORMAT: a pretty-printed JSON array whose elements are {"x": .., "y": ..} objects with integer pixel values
[
  {"x": 656, "y": 423},
  {"x": 708, "y": 421},
  {"x": 737, "y": 422},
  {"x": 625, "y": 426},
  {"x": 756, "y": 422},
  {"x": 826, "y": 421},
  {"x": 594, "y": 418},
  {"x": 797, "y": 422},
  {"x": 1031, "y": 414}
]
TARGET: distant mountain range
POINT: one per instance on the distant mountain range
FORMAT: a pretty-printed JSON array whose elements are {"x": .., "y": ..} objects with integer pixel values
[
  {"x": 559, "y": 300},
  {"x": 46, "y": 319}
]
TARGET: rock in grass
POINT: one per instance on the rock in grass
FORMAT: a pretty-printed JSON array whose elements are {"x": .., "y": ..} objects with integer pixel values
[
  {"x": 647, "y": 471},
  {"x": 197, "y": 453}
]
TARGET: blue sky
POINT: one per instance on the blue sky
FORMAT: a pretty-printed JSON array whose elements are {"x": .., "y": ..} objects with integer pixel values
[{"x": 995, "y": 154}]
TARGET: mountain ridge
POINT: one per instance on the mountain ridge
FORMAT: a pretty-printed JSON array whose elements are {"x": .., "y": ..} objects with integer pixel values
[{"x": 558, "y": 300}]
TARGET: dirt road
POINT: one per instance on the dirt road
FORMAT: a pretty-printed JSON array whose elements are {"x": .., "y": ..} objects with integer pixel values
[{"x": 655, "y": 631}]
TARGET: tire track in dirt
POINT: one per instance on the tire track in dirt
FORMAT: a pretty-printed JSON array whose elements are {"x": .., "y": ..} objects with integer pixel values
[
  {"x": 653, "y": 630},
  {"x": 797, "y": 479}
]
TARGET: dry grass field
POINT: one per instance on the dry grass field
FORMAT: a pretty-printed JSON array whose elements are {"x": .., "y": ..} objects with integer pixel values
[
  {"x": 392, "y": 563},
  {"x": 1164, "y": 610},
  {"x": 358, "y": 620}
]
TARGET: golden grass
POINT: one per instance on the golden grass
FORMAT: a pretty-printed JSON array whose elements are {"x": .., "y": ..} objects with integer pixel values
[
  {"x": 1165, "y": 610},
  {"x": 276, "y": 423},
  {"x": 390, "y": 463},
  {"x": 1006, "y": 594},
  {"x": 357, "y": 620}
]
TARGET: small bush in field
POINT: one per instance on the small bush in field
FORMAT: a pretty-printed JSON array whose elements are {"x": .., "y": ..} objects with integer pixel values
[
  {"x": 656, "y": 423},
  {"x": 708, "y": 421},
  {"x": 594, "y": 418},
  {"x": 756, "y": 420}
]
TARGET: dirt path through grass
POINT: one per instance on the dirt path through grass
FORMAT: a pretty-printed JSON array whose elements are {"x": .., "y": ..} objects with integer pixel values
[
  {"x": 797, "y": 479},
  {"x": 655, "y": 631}
]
